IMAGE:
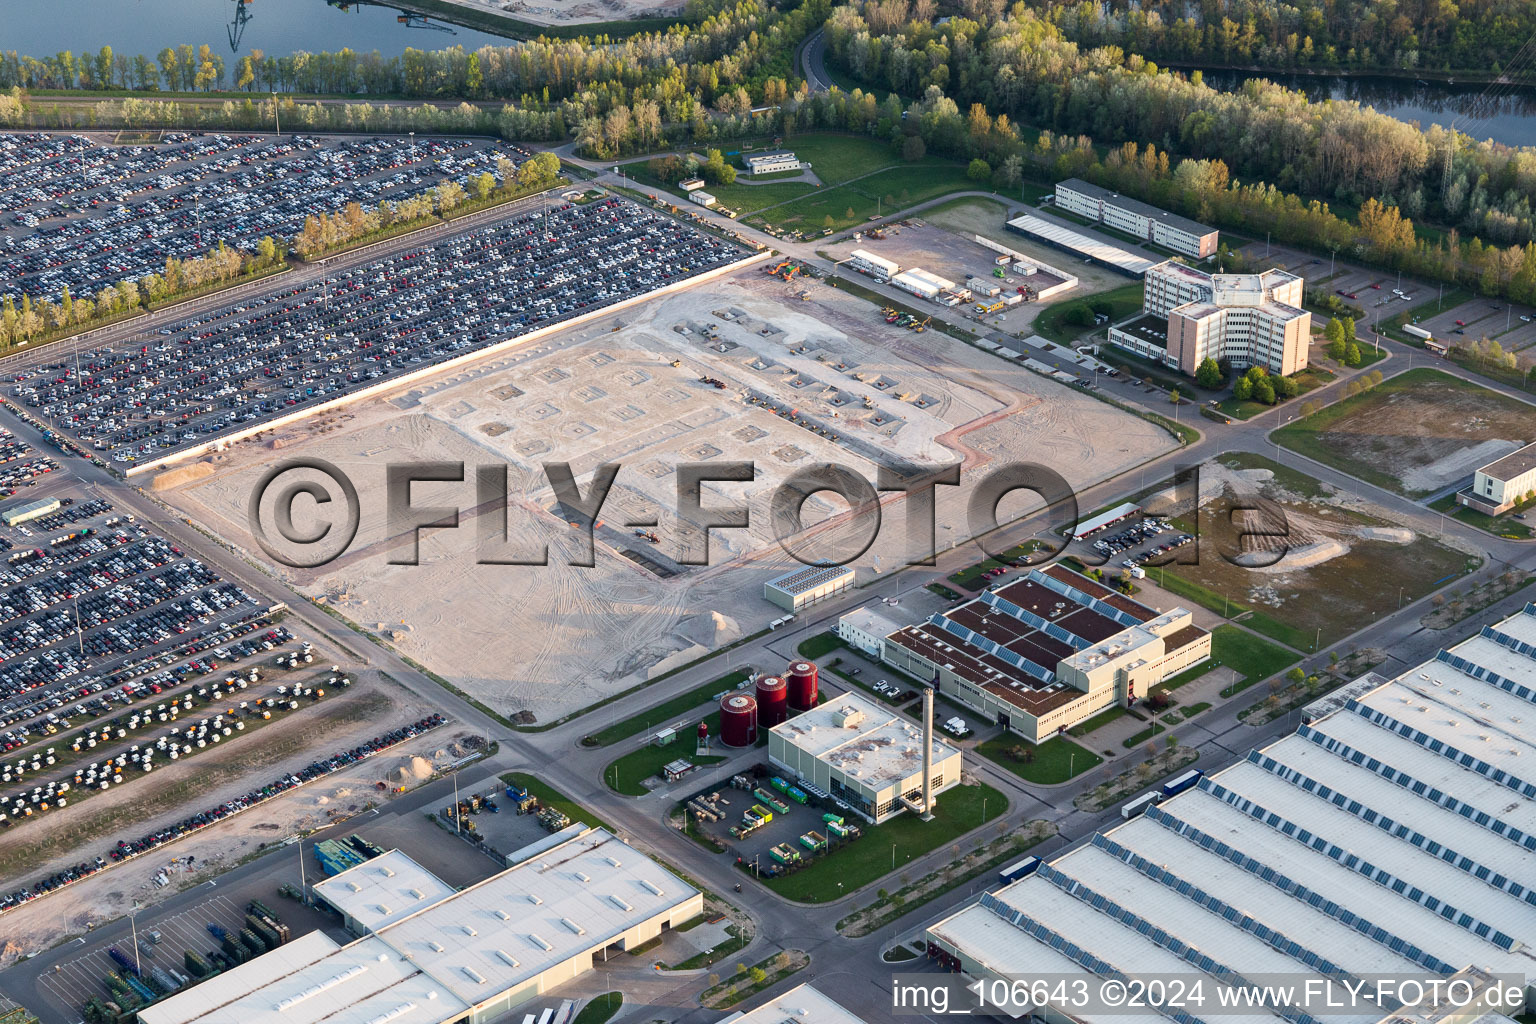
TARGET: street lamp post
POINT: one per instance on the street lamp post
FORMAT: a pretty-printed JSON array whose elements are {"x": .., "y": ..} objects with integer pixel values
[{"x": 277, "y": 123}]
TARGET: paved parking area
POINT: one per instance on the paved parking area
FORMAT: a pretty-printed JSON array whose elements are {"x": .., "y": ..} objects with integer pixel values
[
  {"x": 295, "y": 348},
  {"x": 76, "y": 980},
  {"x": 78, "y": 212}
]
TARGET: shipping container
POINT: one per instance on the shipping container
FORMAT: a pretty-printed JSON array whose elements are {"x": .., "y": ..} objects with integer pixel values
[
  {"x": 1018, "y": 869},
  {"x": 1188, "y": 780},
  {"x": 1139, "y": 805}
]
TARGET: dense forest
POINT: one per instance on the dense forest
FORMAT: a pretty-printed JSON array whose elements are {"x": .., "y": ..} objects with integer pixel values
[
  {"x": 1472, "y": 36},
  {"x": 1024, "y": 67}
]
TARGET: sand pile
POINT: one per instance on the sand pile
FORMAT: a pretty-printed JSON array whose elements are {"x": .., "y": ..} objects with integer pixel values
[
  {"x": 1296, "y": 556},
  {"x": 726, "y": 628},
  {"x": 417, "y": 769},
  {"x": 181, "y": 475},
  {"x": 1445, "y": 471},
  {"x": 1390, "y": 534}
]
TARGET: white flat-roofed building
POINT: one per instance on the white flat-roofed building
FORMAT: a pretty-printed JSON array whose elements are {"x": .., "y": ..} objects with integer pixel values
[
  {"x": 1502, "y": 484},
  {"x": 1094, "y": 250},
  {"x": 468, "y": 957},
  {"x": 701, "y": 197},
  {"x": 312, "y": 980},
  {"x": 922, "y": 284},
  {"x": 803, "y": 1002},
  {"x": 381, "y": 891},
  {"x": 774, "y": 163},
  {"x": 1179, "y": 234},
  {"x": 865, "y": 629},
  {"x": 802, "y": 587},
  {"x": 868, "y": 263},
  {"x": 1393, "y": 834},
  {"x": 863, "y": 753}
]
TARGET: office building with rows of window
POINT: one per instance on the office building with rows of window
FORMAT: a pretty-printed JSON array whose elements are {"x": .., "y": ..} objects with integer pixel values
[
  {"x": 1177, "y": 234},
  {"x": 1189, "y": 316}
]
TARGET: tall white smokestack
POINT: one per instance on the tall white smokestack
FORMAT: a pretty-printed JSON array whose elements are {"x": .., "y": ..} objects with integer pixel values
[{"x": 927, "y": 750}]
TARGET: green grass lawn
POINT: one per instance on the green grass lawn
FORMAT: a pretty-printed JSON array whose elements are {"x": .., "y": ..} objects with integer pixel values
[
  {"x": 1195, "y": 709},
  {"x": 1505, "y": 525},
  {"x": 551, "y": 797},
  {"x": 601, "y": 1009},
  {"x": 625, "y": 774},
  {"x": 1056, "y": 760},
  {"x": 820, "y": 645},
  {"x": 869, "y": 857},
  {"x": 661, "y": 714},
  {"x": 1255, "y": 659},
  {"x": 1052, "y": 322}
]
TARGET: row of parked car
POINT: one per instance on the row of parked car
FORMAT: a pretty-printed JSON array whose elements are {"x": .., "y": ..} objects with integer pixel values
[
  {"x": 95, "y": 215},
  {"x": 128, "y": 849},
  {"x": 232, "y": 643},
  {"x": 297, "y": 347}
]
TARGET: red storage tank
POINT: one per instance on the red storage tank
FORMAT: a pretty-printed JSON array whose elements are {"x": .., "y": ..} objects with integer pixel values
[
  {"x": 738, "y": 720},
  {"x": 772, "y": 701},
  {"x": 802, "y": 685}
]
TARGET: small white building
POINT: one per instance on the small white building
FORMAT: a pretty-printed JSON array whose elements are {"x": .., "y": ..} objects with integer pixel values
[
  {"x": 801, "y": 1002},
  {"x": 922, "y": 284},
  {"x": 1502, "y": 484},
  {"x": 701, "y": 197},
  {"x": 862, "y": 753},
  {"x": 691, "y": 185},
  {"x": 774, "y": 163},
  {"x": 865, "y": 629},
  {"x": 876, "y": 266},
  {"x": 802, "y": 587}
]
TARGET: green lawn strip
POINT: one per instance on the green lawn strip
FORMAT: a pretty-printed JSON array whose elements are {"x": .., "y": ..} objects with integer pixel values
[
  {"x": 1052, "y": 323},
  {"x": 551, "y": 797},
  {"x": 1056, "y": 760},
  {"x": 663, "y": 713},
  {"x": 902, "y": 901},
  {"x": 863, "y": 860},
  {"x": 601, "y": 1008},
  {"x": 1505, "y": 525},
  {"x": 942, "y": 591},
  {"x": 821, "y": 645},
  {"x": 1253, "y": 658},
  {"x": 1195, "y": 709}
]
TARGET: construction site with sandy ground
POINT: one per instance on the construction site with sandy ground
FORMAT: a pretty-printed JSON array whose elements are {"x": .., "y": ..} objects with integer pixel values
[
  {"x": 740, "y": 369},
  {"x": 1416, "y": 433},
  {"x": 1319, "y": 561},
  {"x": 374, "y": 704}
]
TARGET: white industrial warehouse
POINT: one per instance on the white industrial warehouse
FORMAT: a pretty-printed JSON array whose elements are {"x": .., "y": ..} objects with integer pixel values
[
  {"x": 1395, "y": 833},
  {"x": 430, "y": 955}
]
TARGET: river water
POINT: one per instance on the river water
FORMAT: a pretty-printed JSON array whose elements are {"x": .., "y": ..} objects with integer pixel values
[
  {"x": 277, "y": 27},
  {"x": 1504, "y": 114}
]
